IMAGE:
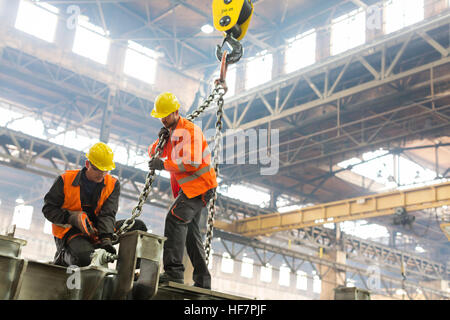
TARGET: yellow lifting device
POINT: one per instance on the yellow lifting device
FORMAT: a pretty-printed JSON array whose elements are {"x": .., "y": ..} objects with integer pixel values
[
  {"x": 350, "y": 209},
  {"x": 232, "y": 17}
]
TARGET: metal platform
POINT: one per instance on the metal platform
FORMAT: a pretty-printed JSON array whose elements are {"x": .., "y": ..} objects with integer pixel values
[
  {"x": 177, "y": 291},
  {"x": 23, "y": 279}
]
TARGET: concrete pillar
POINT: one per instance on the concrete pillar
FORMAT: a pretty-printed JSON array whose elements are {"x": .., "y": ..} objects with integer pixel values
[
  {"x": 374, "y": 22},
  {"x": 65, "y": 32},
  {"x": 330, "y": 277},
  {"x": 323, "y": 44},
  {"x": 240, "y": 77},
  {"x": 278, "y": 63},
  {"x": 116, "y": 57},
  {"x": 273, "y": 200},
  {"x": 8, "y": 12}
]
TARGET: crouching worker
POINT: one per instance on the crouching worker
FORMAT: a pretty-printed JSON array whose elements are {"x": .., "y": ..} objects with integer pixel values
[{"x": 82, "y": 206}]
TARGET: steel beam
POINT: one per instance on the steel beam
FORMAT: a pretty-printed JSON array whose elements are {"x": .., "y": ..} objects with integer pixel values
[{"x": 344, "y": 210}]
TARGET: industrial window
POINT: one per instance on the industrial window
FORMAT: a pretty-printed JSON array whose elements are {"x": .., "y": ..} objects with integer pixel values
[
  {"x": 22, "y": 216},
  {"x": 285, "y": 276},
  {"x": 300, "y": 51},
  {"x": 363, "y": 229},
  {"x": 37, "y": 19},
  {"x": 246, "y": 193},
  {"x": 121, "y": 154},
  {"x": 231, "y": 81},
  {"x": 140, "y": 62},
  {"x": 348, "y": 31},
  {"x": 302, "y": 280},
  {"x": 227, "y": 263},
  {"x": 91, "y": 42},
  {"x": 47, "y": 227},
  {"x": 384, "y": 168},
  {"x": 317, "y": 284},
  {"x": 266, "y": 273},
  {"x": 259, "y": 69},
  {"x": 402, "y": 13},
  {"x": 247, "y": 267}
]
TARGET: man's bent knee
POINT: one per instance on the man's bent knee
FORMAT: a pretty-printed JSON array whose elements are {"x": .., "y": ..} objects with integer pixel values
[{"x": 83, "y": 259}]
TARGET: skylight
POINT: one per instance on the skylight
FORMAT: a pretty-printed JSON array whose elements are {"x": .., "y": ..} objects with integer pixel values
[
  {"x": 402, "y": 13},
  {"x": 382, "y": 169},
  {"x": 348, "y": 31},
  {"x": 91, "y": 42},
  {"x": 301, "y": 51},
  {"x": 259, "y": 69},
  {"x": 140, "y": 62},
  {"x": 37, "y": 19}
]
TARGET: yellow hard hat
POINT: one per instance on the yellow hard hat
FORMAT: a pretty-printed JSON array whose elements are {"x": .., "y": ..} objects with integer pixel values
[
  {"x": 101, "y": 156},
  {"x": 165, "y": 104}
]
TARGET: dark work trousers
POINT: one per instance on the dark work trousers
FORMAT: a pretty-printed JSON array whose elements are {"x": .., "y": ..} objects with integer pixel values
[
  {"x": 78, "y": 250},
  {"x": 182, "y": 228}
]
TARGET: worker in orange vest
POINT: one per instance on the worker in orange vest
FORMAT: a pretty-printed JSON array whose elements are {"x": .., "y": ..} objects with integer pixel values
[
  {"x": 193, "y": 180},
  {"x": 82, "y": 206}
]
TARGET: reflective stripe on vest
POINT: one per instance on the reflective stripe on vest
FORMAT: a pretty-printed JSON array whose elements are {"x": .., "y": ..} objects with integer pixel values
[
  {"x": 72, "y": 199},
  {"x": 179, "y": 162},
  {"x": 194, "y": 175}
]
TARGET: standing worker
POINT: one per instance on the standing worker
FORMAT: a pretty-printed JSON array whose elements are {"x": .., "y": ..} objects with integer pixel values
[
  {"x": 193, "y": 181},
  {"x": 82, "y": 205}
]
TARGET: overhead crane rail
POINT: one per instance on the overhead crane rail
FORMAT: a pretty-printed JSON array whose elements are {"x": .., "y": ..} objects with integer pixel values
[{"x": 364, "y": 207}]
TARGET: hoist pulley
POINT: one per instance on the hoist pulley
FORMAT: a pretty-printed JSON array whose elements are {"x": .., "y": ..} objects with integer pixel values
[{"x": 232, "y": 17}]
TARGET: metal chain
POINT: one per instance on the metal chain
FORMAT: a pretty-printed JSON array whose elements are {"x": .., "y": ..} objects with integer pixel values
[
  {"x": 128, "y": 223},
  {"x": 217, "y": 93},
  {"x": 215, "y": 163}
]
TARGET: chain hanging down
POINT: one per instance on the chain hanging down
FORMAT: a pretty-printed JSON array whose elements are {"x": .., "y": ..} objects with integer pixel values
[
  {"x": 217, "y": 94},
  {"x": 128, "y": 223}
]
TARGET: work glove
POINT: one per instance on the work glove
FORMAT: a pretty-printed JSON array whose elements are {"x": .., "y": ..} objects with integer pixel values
[
  {"x": 156, "y": 164},
  {"x": 106, "y": 244},
  {"x": 80, "y": 220},
  {"x": 164, "y": 132}
]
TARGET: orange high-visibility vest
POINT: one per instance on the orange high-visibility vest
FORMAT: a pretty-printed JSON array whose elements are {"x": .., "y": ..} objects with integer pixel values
[
  {"x": 188, "y": 159},
  {"x": 72, "y": 199}
]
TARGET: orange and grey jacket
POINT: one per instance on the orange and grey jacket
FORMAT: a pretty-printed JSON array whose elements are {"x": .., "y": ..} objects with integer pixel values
[
  {"x": 188, "y": 159},
  {"x": 66, "y": 195}
]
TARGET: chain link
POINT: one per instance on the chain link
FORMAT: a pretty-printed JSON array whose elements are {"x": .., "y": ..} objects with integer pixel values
[
  {"x": 217, "y": 94},
  {"x": 215, "y": 163}
]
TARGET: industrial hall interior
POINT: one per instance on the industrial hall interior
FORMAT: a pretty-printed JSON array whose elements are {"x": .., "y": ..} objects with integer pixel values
[{"x": 224, "y": 150}]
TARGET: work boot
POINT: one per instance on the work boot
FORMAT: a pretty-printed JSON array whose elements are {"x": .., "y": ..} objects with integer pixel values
[
  {"x": 165, "y": 278},
  {"x": 200, "y": 286}
]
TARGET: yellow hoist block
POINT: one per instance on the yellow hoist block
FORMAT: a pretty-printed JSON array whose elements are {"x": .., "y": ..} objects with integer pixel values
[{"x": 232, "y": 16}]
